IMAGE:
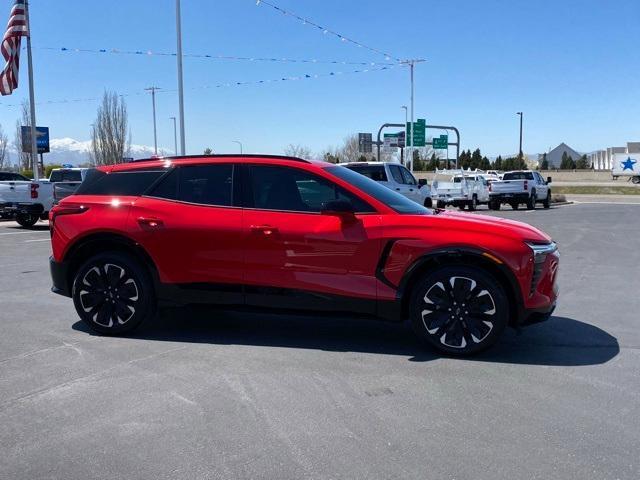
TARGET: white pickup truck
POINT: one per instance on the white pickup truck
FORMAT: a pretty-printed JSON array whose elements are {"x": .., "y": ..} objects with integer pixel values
[
  {"x": 30, "y": 200},
  {"x": 517, "y": 187},
  {"x": 460, "y": 189}
]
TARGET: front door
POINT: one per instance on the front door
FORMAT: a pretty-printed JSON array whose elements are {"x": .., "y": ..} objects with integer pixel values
[{"x": 297, "y": 257}]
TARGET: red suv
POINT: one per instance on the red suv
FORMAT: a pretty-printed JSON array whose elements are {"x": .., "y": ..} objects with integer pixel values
[{"x": 284, "y": 233}]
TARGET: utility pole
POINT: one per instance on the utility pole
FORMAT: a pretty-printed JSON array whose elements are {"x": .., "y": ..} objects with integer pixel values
[
  {"x": 239, "y": 143},
  {"x": 175, "y": 136},
  {"x": 180, "y": 87},
  {"x": 155, "y": 132},
  {"x": 406, "y": 120},
  {"x": 520, "y": 150},
  {"x": 411, "y": 64},
  {"x": 32, "y": 101}
]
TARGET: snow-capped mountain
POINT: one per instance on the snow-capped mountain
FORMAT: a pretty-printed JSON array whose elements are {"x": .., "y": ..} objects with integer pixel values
[{"x": 76, "y": 152}]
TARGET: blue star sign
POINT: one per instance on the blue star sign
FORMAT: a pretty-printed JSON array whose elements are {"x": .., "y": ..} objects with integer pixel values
[{"x": 628, "y": 164}]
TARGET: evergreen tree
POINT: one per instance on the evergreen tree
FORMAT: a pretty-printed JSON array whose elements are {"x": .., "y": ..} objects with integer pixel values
[
  {"x": 582, "y": 163},
  {"x": 545, "y": 163},
  {"x": 476, "y": 159},
  {"x": 485, "y": 164},
  {"x": 497, "y": 165},
  {"x": 565, "y": 163}
]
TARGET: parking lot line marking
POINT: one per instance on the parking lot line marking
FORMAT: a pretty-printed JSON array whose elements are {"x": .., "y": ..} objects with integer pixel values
[
  {"x": 39, "y": 240},
  {"x": 21, "y": 233},
  {"x": 578, "y": 202}
]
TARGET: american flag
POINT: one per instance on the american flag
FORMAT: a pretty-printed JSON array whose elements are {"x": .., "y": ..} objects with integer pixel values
[{"x": 10, "y": 48}]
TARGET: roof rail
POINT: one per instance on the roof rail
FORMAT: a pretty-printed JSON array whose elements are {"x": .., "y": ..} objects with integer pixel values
[{"x": 230, "y": 155}]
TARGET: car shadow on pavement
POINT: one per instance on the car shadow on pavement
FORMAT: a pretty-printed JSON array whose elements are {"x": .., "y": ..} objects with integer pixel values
[
  {"x": 38, "y": 227},
  {"x": 560, "y": 341}
]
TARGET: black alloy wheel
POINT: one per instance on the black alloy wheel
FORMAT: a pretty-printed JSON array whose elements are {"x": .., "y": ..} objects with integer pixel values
[
  {"x": 113, "y": 293},
  {"x": 459, "y": 310}
]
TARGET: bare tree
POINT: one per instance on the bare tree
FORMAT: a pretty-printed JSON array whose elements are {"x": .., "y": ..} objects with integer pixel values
[
  {"x": 24, "y": 159},
  {"x": 297, "y": 151},
  {"x": 350, "y": 151},
  {"x": 110, "y": 141},
  {"x": 4, "y": 141}
]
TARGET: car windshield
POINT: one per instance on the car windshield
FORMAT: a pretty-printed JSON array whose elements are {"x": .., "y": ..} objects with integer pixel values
[
  {"x": 381, "y": 193},
  {"x": 518, "y": 176}
]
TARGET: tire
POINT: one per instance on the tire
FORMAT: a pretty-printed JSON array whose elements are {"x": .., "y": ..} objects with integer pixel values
[
  {"x": 473, "y": 205},
  {"x": 451, "y": 328},
  {"x": 461, "y": 206},
  {"x": 531, "y": 201},
  {"x": 428, "y": 203},
  {"x": 26, "y": 220},
  {"x": 515, "y": 206},
  {"x": 113, "y": 293},
  {"x": 547, "y": 201},
  {"x": 441, "y": 205},
  {"x": 635, "y": 180},
  {"x": 494, "y": 205}
]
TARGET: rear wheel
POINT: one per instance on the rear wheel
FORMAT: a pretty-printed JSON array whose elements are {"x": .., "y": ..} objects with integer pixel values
[
  {"x": 459, "y": 310},
  {"x": 428, "y": 203},
  {"x": 113, "y": 293},
  {"x": 494, "y": 205},
  {"x": 531, "y": 202},
  {"x": 473, "y": 204},
  {"x": 26, "y": 220},
  {"x": 515, "y": 205},
  {"x": 461, "y": 206}
]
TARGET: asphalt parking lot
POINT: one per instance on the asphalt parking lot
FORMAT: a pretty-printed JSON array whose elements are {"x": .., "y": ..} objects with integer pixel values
[{"x": 210, "y": 394}]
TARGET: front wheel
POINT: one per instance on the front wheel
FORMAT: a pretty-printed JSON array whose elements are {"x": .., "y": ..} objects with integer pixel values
[
  {"x": 26, "y": 220},
  {"x": 428, "y": 203},
  {"x": 547, "y": 201},
  {"x": 459, "y": 310},
  {"x": 113, "y": 293},
  {"x": 635, "y": 180},
  {"x": 494, "y": 205},
  {"x": 515, "y": 205},
  {"x": 473, "y": 204}
]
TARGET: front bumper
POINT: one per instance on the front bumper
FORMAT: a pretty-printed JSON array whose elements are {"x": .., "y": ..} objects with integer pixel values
[
  {"x": 536, "y": 315},
  {"x": 22, "y": 208},
  {"x": 60, "y": 277}
]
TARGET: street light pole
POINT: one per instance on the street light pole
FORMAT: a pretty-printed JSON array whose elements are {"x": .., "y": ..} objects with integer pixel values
[
  {"x": 239, "y": 143},
  {"x": 175, "y": 136},
  {"x": 180, "y": 87},
  {"x": 155, "y": 132},
  {"x": 406, "y": 121},
  {"x": 520, "y": 151}
]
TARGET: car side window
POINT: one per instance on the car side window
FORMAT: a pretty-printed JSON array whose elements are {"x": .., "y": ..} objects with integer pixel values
[
  {"x": 292, "y": 189},
  {"x": 408, "y": 178},
  {"x": 206, "y": 184},
  {"x": 396, "y": 173}
]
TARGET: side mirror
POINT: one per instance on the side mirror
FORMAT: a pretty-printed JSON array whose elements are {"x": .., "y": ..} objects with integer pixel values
[
  {"x": 422, "y": 182},
  {"x": 341, "y": 208},
  {"x": 548, "y": 179}
]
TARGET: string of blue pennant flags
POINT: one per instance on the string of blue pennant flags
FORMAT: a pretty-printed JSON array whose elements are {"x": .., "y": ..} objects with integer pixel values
[
  {"x": 150, "y": 53},
  {"x": 224, "y": 85},
  {"x": 326, "y": 31}
]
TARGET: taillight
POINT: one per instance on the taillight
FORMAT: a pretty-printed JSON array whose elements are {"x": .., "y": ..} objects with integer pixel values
[
  {"x": 60, "y": 210},
  {"x": 34, "y": 190},
  {"x": 526, "y": 185}
]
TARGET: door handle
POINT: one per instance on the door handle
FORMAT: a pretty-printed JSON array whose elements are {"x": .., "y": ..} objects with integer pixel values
[
  {"x": 263, "y": 229},
  {"x": 150, "y": 222},
  {"x": 398, "y": 189}
]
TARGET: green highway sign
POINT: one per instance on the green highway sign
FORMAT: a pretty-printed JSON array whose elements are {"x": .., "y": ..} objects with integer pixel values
[
  {"x": 441, "y": 143},
  {"x": 417, "y": 133}
]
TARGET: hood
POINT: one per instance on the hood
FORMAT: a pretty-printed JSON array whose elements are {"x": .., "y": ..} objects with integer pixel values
[{"x": 499, "y": 226}]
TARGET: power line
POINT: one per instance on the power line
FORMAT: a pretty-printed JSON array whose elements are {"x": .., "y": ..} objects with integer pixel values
[
  {"x": 305, "y": 76},
  {"x": 326, "y": 31},
  {"x": 150, "y": 53}
]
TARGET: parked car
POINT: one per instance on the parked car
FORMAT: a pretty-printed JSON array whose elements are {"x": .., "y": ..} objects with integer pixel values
[
  {"x": 280, "y": 233},
  {"x": 522, "y": 186},
  {"x": 26, "y": 200},
  {"x": 395, "y": 177},
  {"x": 66, "y": 181},
  {"x": 460, "y": 189}
]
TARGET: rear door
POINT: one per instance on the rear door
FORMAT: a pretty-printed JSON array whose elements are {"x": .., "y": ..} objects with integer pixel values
[
  {"x": 299, "y": 258},
  {"x": 192, "y": 228}
]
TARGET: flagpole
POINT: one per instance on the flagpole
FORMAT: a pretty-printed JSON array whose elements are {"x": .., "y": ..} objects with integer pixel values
[{"x": 32, "y": 103}]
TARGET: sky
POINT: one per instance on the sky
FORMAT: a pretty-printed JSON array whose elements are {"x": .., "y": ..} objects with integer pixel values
[{"x": 572, "y": 67}]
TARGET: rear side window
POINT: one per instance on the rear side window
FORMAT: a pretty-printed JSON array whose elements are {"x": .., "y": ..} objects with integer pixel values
[
  {"x": 201, "y": 184},
  {"x": 374, "y": 172},
  {"x": 132, "y": 183},
  {"x": 66, "y": 176}
]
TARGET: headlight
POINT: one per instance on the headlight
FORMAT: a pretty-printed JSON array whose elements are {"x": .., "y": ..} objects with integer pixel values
[{"x": 540, "y": 253}]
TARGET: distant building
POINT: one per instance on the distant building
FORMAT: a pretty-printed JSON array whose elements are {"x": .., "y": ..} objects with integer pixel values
[
  {"x": 603, "y": 159},
  {"x": 554, "y": 157}
]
